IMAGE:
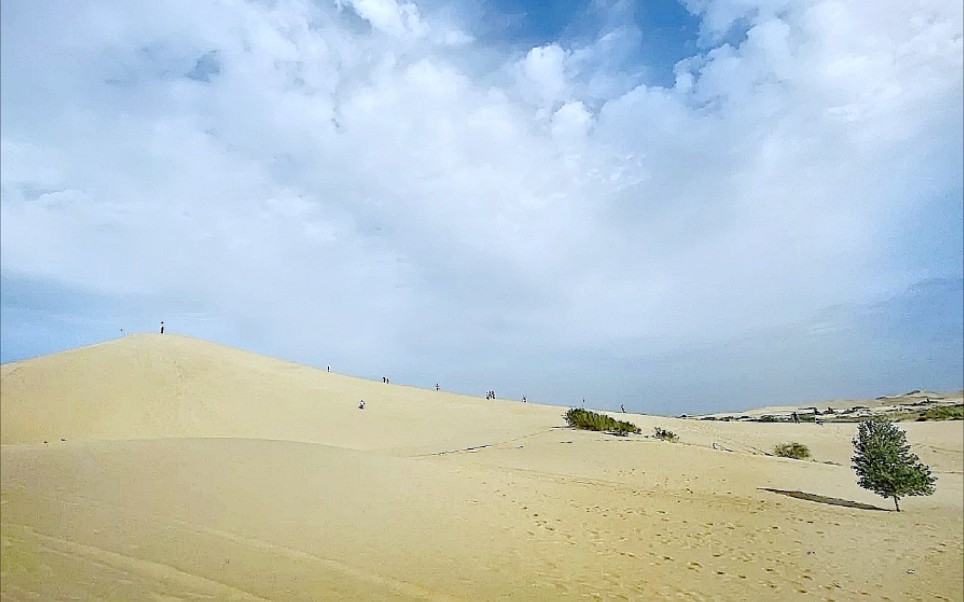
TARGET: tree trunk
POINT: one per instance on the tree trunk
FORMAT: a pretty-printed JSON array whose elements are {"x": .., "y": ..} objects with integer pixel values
[{"x": 896, "y": 503}]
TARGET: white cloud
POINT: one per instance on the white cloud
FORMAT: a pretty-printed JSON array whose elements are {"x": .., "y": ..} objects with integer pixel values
[
  {"x": 390, "y": 16},
  {"x": 373, "y": 195},
  {"x": 571, "y": 124},
  {"x": 543, "y": 75}
]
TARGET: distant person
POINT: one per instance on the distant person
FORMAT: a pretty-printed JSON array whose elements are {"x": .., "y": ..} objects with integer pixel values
[
  {"x": 436, "y": 386},
  {"x": 361, "y": 404},
  {"x": 622, "y": 408},
  {"x": 795, "y": 417},
  {"x": 523, "y": 399},
  {"x": 162, "y": 326}
]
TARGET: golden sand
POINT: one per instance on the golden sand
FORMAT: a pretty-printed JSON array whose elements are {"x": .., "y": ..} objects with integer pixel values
[{"x": 178, "y": 469}]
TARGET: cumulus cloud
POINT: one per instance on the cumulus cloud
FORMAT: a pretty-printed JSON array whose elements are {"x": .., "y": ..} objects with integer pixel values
[
  {"x": 571, "y": 124},
  {"x": 389, "y": 16},
  {"x": 543, "y": 75},
  {"x": 335, "y": 184}
]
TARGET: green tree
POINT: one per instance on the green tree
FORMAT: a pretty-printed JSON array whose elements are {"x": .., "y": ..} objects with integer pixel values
[{"x": 884, "y": 463}]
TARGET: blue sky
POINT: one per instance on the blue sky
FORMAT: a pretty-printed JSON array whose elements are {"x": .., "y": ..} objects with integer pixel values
[{"x": 680, "y": 207}]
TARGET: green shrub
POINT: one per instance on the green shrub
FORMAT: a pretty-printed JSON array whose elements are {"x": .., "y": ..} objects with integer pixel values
[
  {"x": 954, "y": 412},
  {"x": 885, "y": 465},
  {"x": 666, "y": 435},
  {"x": 591, "y": 421},
  {"x": 797, "y": 451}
]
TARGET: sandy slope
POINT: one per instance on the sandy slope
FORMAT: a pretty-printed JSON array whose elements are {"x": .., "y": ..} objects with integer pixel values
[
  {"x": 192, "y": 470},
  {"x": 151, "y": 386}
]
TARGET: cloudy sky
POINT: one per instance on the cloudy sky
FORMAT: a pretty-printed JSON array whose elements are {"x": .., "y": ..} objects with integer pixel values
[{"x": 681, "y": 207}]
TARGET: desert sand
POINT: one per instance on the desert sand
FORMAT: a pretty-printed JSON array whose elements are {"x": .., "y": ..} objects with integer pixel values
[{"x": 161, "y": 467}]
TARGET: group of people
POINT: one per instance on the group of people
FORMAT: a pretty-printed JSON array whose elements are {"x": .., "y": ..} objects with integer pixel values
[{"x": 488, "y": 394}]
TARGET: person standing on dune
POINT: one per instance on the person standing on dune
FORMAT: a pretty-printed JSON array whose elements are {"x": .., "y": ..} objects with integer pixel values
[{"x": 162, "y": 326}]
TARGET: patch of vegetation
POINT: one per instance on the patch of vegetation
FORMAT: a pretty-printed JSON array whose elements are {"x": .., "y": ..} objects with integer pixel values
[
  {"x": 592, "y": 421},
  {"x": 954, "y": 412},
  {"x": 885, "y": 465},
  {"x": 794, "y": 450},
  {"x": 665, "y": 435}
]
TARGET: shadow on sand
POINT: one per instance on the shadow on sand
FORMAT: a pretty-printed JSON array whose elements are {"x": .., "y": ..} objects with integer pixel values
[{"x": 833, "y": 501}]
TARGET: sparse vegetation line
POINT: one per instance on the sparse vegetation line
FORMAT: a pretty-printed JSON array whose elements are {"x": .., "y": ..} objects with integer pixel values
[{"x": 592, "y": 421}]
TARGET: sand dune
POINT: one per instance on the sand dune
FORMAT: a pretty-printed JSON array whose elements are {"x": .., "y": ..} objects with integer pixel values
[
  {"x": 192, "y": 470},
  {"x": 154, "y": 386}
]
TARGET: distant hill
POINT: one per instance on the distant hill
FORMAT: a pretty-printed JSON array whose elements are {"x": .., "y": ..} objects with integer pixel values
[{"x": 149, "y": 386}]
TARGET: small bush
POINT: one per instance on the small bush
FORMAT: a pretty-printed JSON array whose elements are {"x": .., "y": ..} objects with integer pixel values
[
  {"x": 591, "y": 421},
  {"x": 797, "y": 451},
  {"x": 955, "y": 412},
  {"x": 665, "y": 435}
]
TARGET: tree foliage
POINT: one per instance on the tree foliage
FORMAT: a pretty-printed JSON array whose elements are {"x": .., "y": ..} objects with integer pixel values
[
  {"x": 885, "y": 465},
  {"x": 591, "y": 421}
]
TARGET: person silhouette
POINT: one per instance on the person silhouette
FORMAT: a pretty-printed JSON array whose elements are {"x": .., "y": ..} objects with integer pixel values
[{"x": 162, "y": 326}]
